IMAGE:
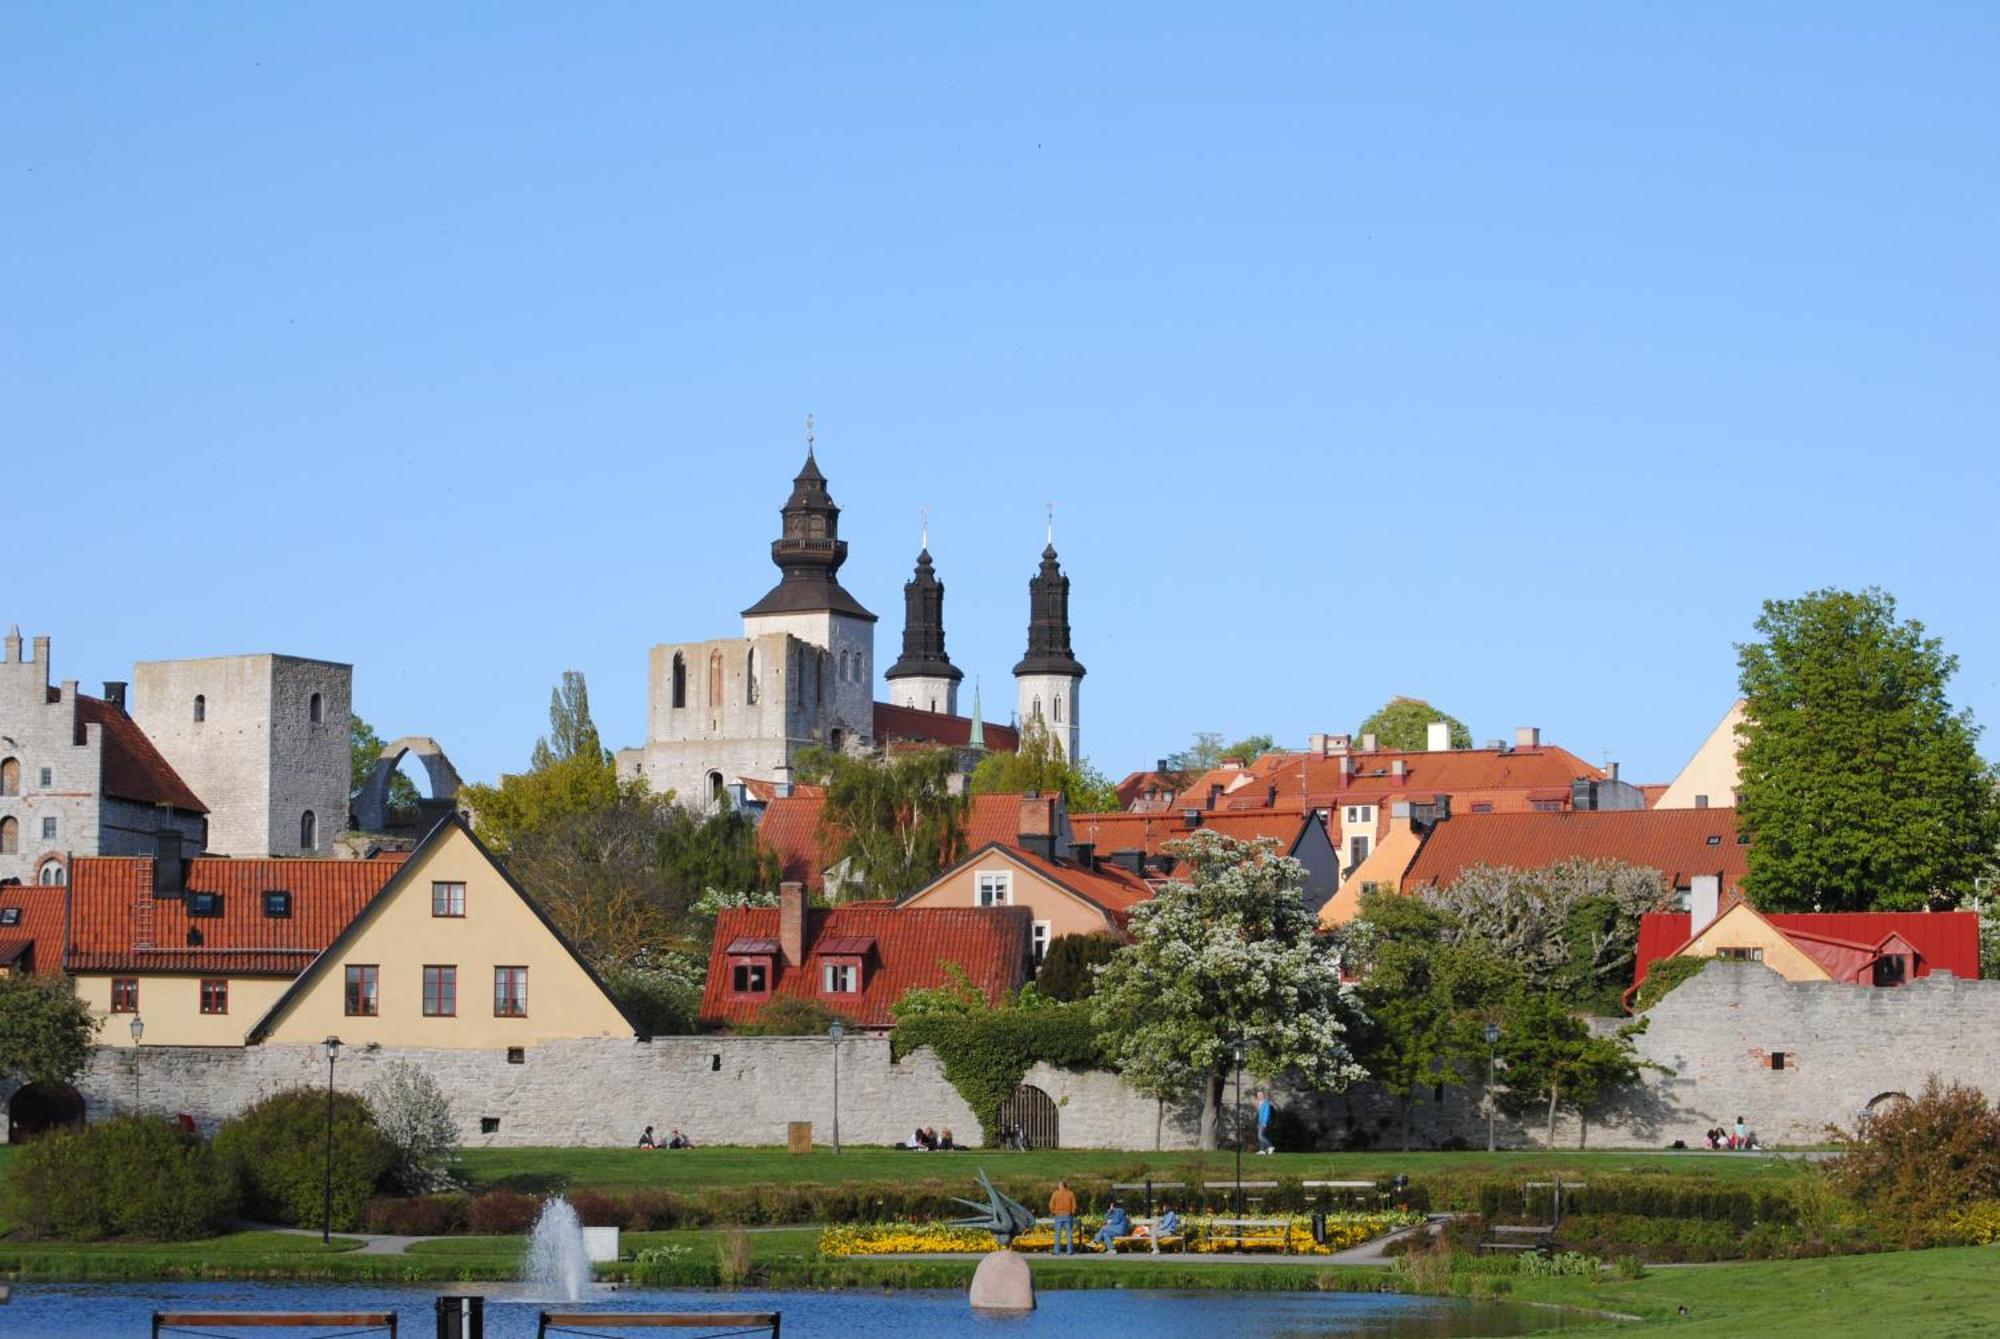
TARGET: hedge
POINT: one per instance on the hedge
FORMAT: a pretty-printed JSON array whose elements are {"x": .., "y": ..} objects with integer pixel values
[{"x": 986, "y": 1055}]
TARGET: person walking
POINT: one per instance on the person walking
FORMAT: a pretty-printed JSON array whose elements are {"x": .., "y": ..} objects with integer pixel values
[
  {"x": 1062, "y": 1208},
  {"x": 1264, "y": 1114}
]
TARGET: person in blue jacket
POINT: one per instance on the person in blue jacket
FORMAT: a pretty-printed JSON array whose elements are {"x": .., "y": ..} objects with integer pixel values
[{"x": 1117, "y": 1223}]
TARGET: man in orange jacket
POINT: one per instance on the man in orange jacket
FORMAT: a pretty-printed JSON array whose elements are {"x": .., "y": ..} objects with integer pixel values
[{"x": 1062, "y": 1208}]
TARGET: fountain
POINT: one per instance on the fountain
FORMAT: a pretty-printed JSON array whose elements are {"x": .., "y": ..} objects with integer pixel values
[{"x": 557, "y": 1260}]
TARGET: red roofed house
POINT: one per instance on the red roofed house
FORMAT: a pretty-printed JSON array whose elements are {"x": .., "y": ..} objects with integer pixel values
[
  {"x": 1877, "y": 948},
  {"x": 1299, "y": 833},
  {"x": 78, "y": 777},
  {"x": 790, "y": 830},
  {"x": 31, "y": 929},
  {"x": 857, "y": 959}
]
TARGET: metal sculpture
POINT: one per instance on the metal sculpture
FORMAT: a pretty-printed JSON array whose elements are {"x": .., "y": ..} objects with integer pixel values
[{"x": 999, "y": 1215}]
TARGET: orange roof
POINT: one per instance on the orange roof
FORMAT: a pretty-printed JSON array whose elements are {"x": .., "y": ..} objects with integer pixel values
[
  {"x": 112, "y": 900},
  {"x": 914, "y": 948},
  {"x": 133, "y": 768},
  {"x": 790, "y": 831},
  {"x": 766, "y": 791},
  {"x": 1112, "y": 888},
  {"x": 1680, "y": 843},
  {"x": 34, "y": 942},
  {"x": 894, "y": 724},
  {"x": 1151, "y": 832}
]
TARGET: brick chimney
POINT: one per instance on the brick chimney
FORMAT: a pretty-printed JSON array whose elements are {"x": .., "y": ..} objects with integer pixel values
[
  {"x": 1036, "y": 831},
  {"x": 792, "y": 923}
]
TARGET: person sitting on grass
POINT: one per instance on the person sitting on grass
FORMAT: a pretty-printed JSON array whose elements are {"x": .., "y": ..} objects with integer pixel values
[
  {"x": 944, "y": 1142},
  {"x": 646, "y": 1138},
  {"x": 1117, "y": 1223},
  {"x": 679, "y": 1140}
]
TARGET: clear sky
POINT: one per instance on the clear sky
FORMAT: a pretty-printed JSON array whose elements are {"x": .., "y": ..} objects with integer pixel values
[{"x": 1505, "y": 355}]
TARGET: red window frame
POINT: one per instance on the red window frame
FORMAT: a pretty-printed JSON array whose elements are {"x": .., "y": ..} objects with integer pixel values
[
  {"x": 440, "y": 990},
  {"x": 448, "y": 894},
  {"x": 124, "y": 994},
  {"x": 215, "y": 994},
  {"x": 736, "y": 965},
  {"x": 363, "y": 995},
  {"x": 510, "y": 992}
]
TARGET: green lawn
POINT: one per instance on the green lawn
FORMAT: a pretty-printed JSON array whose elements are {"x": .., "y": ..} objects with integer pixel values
[{"x": 542, "y": 1169}]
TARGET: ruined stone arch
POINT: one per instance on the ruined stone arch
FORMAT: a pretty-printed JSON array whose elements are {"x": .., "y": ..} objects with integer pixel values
[
  {"x": 371, "y": 807},
  {"x": 1884, "y": 1102}
]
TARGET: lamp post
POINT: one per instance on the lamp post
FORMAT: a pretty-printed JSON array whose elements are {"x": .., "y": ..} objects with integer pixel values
[
  {"x": 1492, "y": 1050},
  {"x": 138, "y": 1034},
  {"x": 836, "y": 1030},
  {"x": 1240, "y": 1052},
  {"x": 332, "y": 1045}
]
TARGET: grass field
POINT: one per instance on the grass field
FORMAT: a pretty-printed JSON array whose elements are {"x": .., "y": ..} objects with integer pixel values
[{"x": 543, "y": 1169}]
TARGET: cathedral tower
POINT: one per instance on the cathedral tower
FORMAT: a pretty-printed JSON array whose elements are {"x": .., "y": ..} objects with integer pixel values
[
  {"x": 924, "y": 678},
  {"x": 1049, "y": 675}
]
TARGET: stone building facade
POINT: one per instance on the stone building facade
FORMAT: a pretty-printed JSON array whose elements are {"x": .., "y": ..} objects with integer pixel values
[
  {"x": 262, "y": 738},
  {"x": 78, "y": 777}
]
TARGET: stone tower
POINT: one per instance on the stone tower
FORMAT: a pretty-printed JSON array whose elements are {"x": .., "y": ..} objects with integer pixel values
[
  {"x": 1049, "y": 675},
  {"x": 924, "y": 678}
]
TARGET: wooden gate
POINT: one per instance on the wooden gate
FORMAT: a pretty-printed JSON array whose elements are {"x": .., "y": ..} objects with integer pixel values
[{"x": 1028, "y": 1119}]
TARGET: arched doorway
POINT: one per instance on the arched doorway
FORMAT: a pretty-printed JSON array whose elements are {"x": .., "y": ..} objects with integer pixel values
[
  {"x": 41, "y": 1107},
  {"x": 1883, "y": 1103},
  {"x": 1032, "y": 1113}
]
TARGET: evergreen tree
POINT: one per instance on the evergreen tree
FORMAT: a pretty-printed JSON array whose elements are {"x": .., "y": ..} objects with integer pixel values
[
  {"x": 1860, "y": 787},
  {"x": 571, "y": 734}
]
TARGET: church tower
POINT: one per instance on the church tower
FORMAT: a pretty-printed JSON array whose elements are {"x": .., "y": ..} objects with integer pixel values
[
  {"x": 1049, "y": 675},
  {"x": 924, "y": 678}
]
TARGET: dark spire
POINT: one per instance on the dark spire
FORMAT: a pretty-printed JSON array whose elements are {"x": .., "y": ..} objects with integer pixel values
[
  {"x": 1048, "y": 621},
  {"x": 809, "y": 552},
  {"x": 923, "y": 628}
]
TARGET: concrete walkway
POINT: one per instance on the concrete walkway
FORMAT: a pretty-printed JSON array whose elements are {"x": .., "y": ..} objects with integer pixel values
[{"x": 372, "y": 1243}]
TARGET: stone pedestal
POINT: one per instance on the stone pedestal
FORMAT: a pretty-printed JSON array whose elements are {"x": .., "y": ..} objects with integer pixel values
[{"x": 1002, "y": 1284}]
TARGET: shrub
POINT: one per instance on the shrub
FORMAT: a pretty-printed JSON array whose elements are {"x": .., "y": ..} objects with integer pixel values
[
  {"x": 790, "y": 1016},
  {"x": 415, "y": 1118},
  {"x": 1921, "y": 1163},
  {"x": 502, "y": 1213},
  {"x": 1069, "y": 969},
  {"x": 1662, "y": 977},
  {"x": 135, "y": 1176},
  {"x": 420, "y": 1216},
  {"x": 276, "y": 1150}
]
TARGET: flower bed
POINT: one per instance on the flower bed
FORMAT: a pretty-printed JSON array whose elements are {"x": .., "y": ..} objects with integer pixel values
[{"x": 1343, "y": 1230}]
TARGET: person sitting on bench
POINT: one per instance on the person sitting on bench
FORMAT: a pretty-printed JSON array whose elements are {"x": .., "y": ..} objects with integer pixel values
[{"x": 1117, "y": 1223}]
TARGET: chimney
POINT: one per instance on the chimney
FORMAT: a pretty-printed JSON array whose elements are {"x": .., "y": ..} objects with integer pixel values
[
  {"x": 1339, "y": 743},
  {"x": 1701, "y": 801},
  {"x": 1437, "y": 737},
  {"x": 1367, "y": 743},
  {"x": 1133, "y": 860},
  {"x": 1190, "y": 818},
  {"x": 1397, "y": 768},
  {"x": 1346, "y": 769},
  {"x": 1704, "y": 892},
  {"x": 1160, "y": 765},
  {"x": 1084, "y": 854},
  {"x": 1319, "y": 744},
  {"x": 114, "y": 693},
  {"x": 1271, "y": 796},
  {"x": 168, "y": 876},
  {"x": 1399, "y": 813},
  {"x": 1036, "y": 831},
  {"x": 792, "y": 923},
  {"x": 1527, "y": 736},
  {"x": 1614, "y": 771}
]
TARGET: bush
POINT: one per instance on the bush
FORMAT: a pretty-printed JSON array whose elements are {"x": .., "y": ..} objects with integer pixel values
[
  {"x": 276, "y": 1150},
  {"x": 421, "y": 1216},
  {"x": 1069, "y": 969},
  {"x": 1922, "y": 1163},
  {"x": 1662, "y": 977},
  {"x": 502, "y": 1213},
  {"x": 415, "y": 1118},
  {"x": 136, "y": 1176},
  {"x": 790, "y": 1016}
]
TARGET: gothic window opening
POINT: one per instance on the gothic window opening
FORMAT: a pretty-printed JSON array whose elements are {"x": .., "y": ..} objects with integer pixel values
[
  {"x": 316, "y": 709},
  {"x": 10, "y": 776},
  {"x": 750, "y": 678},
  {"x": 10, "y": 836},
  {"x": 309, "y": 830},
  {"x": 680, "y": 698},
  {"x": 53, "y": 874},
  {"x": 1036, "y": 710},
  {"x": 200, "y": 708},
  {"x": 715, "y": 679},
  {"x": 716, "y": 794},
  {"x": 1055, "y": 706}
]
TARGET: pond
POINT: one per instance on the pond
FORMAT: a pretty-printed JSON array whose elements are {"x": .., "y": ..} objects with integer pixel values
[{"x": 97, "y": 1311}]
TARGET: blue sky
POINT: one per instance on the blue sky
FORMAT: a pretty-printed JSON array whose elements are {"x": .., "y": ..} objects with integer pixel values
[{"x": 1502, "y": 355}]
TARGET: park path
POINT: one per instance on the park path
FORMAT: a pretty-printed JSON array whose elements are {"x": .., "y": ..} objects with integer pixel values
[{"x": 372, "y": 1243}]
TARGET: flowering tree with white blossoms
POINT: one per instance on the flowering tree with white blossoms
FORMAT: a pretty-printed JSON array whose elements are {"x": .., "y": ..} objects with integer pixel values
[
  {"x": 414, "y": 1115},
  {"x": 1228, "y": 952}
]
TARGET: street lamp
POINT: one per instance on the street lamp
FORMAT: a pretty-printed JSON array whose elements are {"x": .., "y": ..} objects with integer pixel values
[
  {"x": 836, "y": 1030},
  {"x": 1492, "y": 1049},
  {"x": 138, "y": 1034},
  {"x": 1239, "y": 1050},
  {"x": 332, "y": 1045}
]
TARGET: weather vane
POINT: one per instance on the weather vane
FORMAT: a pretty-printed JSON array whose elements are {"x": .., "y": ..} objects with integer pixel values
[{"x": 809, "y": 434}]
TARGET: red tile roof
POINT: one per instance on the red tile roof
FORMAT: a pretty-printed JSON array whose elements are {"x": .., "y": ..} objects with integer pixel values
[
  {"x": 1945, "y": 941},
  {"x": 112, "y": 899},
  {"x": 764, "y": 792},
  {"x": 1680, "y": 843},
  {"x": 34, "y": 943},
  {"x": 914, "y": 948},
  {"x": 894, "y": 725},
  {"x": 1113, "y": 888},
  {"x": 790, "y": 831},
  {"x": 1144, "y": 786},
  {"x": 992, "y": 818},
  {"x": 1151, "y": 832},
  {"x": 133, "y": 768}
]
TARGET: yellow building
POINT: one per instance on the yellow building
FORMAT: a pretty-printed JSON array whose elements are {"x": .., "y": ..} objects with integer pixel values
[{"x": 439, "y": 949}]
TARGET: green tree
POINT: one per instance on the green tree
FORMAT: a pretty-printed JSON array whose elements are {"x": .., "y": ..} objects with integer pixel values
[
  {"x": 571, "y": 734},
  {"x": 1069, "y": 969},
  {"x": 545, "y": 798},
  {"x": 894, "y": 819},
  {"x": 1229, "y": 952},
  {"x": 1402, "y": 725},
  {"x": 1427, "y": 999},
  {"x": 1038, "y": 765},
  {"x": 364, "y": 749},
  {"x": 1555, "y": 1062},
  {"x": 1860, "y": 787},
  {"x": 45, "y": 1029},
  {"x": 1208, "y": 752}
]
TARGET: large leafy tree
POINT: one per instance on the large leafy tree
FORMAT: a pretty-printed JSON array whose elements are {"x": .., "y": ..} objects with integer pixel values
[
  {"x": 1556, "y": 1062},
  {"x": 1861, "y": 788},
  {"x": 1402, "y": 725},
  {"x": 45, "y": 1029},
  {"x": 894, "y": 819},
  {"x": 1039, "y": 765},
  {"x": 1228, "y": 952},
  {"x": 1428, "y": 997}
]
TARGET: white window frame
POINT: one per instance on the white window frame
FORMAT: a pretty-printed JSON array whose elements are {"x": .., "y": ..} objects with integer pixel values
[
  {"x": 993, "y": 888},
  {"x": 1043, "y": 933},
  {"x": 840, "y": 978}
]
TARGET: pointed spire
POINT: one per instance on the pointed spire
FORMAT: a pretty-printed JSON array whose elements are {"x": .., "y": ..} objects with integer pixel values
[
  {"x": 923, "y": 623},
  {"x": 976, "y": 737},
  {"x": 1048, "y": 618},
  {"x": 809, "y": 550}
]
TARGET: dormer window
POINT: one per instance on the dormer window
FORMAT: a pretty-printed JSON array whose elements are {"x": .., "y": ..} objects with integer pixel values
[
  {"x": 204, "y": 904},
  {"x": 841, "y": 978},
  {"x": 277, "y": 904},
  {"x": 749, "y": 976},
  {"x": 10, "y": 915},
  {"x": 843, "y": 963}
]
